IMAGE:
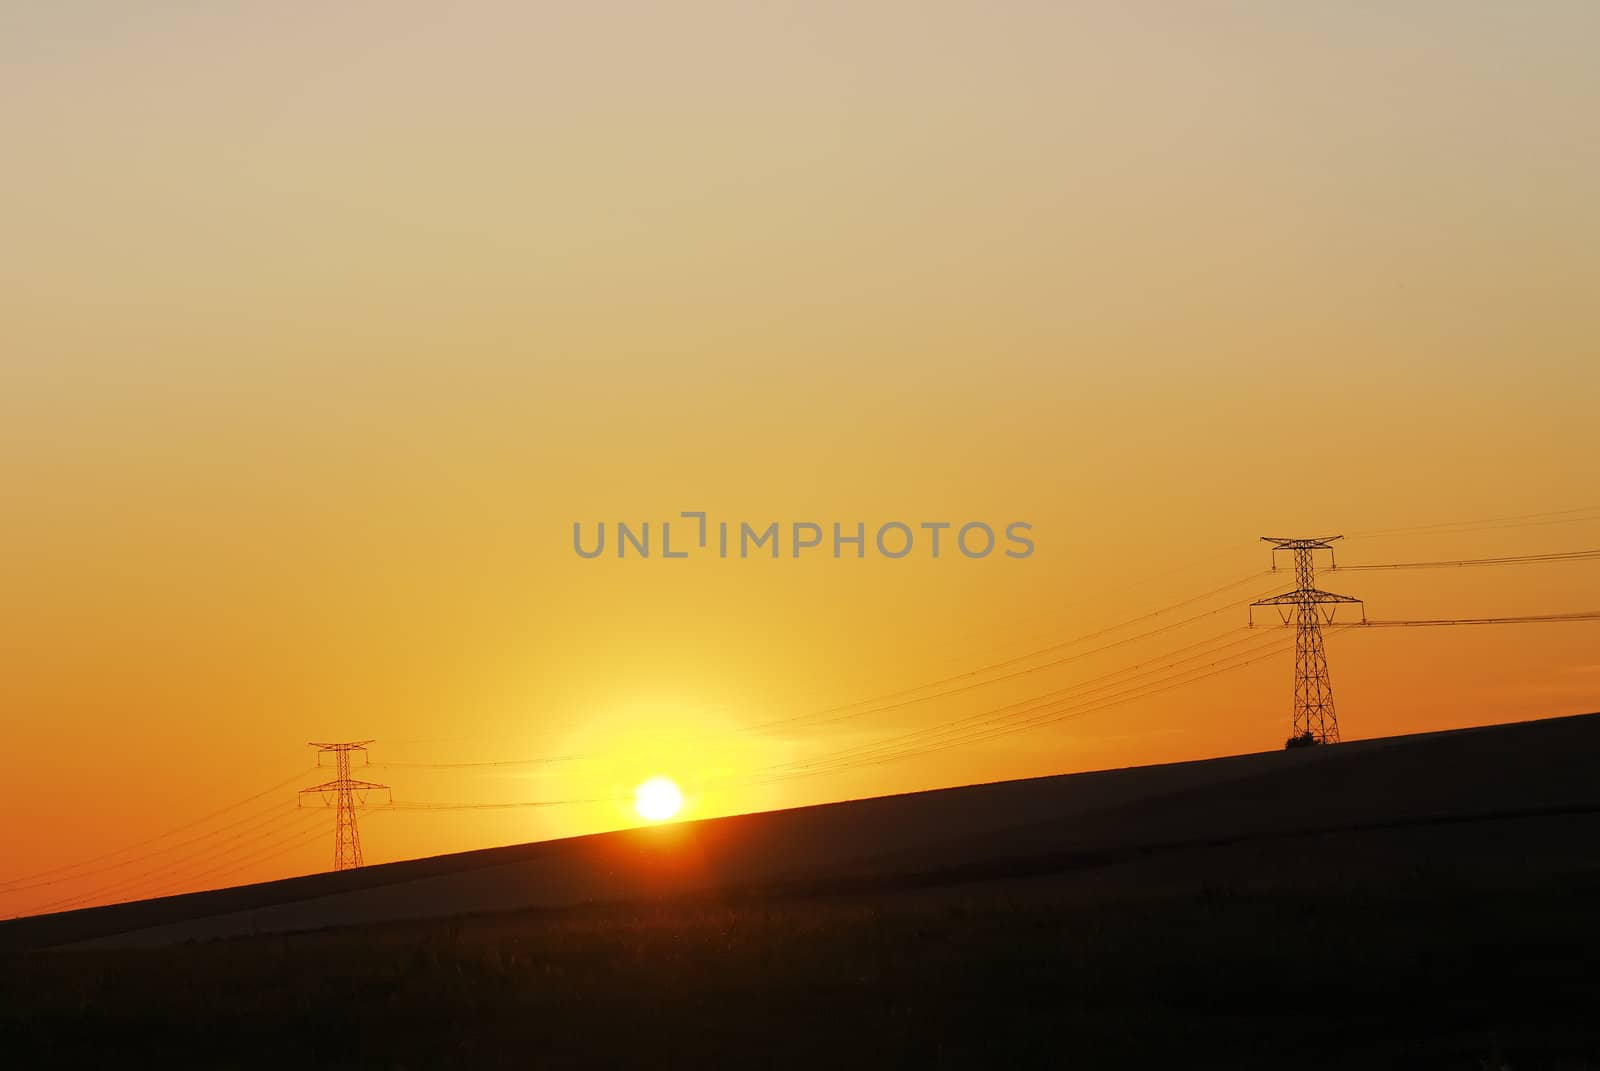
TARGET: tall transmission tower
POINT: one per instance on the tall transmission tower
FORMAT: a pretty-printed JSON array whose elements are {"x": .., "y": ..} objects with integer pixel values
[
  {"x": 1314, "y": 719},
  {"x": 343, "y": 793}
]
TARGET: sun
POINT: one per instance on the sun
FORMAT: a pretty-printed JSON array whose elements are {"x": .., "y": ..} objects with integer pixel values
[{"x": 657, "y": 799}]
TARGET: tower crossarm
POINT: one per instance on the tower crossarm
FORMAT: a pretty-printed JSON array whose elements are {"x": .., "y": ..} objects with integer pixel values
[
  {"x": 1318, "y": 543},
  {"x": 1295, "y": 598},
  {"x": 335, "y": 786}
]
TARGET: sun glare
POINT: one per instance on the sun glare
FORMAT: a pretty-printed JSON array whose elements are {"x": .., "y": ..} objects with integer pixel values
[{"x": 657, "y": 799}]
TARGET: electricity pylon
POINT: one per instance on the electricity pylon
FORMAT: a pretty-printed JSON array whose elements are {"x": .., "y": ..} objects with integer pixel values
[
  {"x": 344, "y": 793},
  {"x": 1314, "y": 719}
]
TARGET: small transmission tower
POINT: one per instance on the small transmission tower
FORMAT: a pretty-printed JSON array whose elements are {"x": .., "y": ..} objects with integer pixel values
[
  {"x": 1314, "y": 719},
  {"x": 343, "y": 793}
]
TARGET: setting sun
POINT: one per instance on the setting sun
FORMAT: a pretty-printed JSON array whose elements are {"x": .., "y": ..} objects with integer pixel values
[{"x": 657, "y": 799}]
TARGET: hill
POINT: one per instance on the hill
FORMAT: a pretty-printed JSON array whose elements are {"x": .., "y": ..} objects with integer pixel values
[
  {"x": 1415, "y": 902},
  {"x": 1492, "y": 806}
]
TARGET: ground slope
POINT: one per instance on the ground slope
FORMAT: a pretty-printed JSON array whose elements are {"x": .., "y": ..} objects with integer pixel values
[{"x": 1492, "y": 807}]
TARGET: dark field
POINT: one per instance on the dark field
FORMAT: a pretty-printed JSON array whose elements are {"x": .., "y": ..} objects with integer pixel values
[
  {"x": 1482, "y": 981},
  {"x": 1415, "y": 902}
]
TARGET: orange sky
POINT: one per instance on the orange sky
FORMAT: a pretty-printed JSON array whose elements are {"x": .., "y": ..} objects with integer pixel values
[{"x": 322, "y": 329}]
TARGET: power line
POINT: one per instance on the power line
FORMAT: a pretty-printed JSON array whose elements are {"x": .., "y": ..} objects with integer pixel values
[
  {"x": 846, "y": 711},
  {"x": 295, "y": 837},
  {"x": 250, "y": 821},
  {"x": 1025, "y": 715},
  {"x": 7, "y": 886},
  {"x": 431, "y": 741},
  {"x": 152, "y": 884},
  {"x": 909, "y": 696},
  {"x": 135, "y": 881},
  {"x": 1128, "y": 684},
  {"x": 1014, "y": 621},
  {"x": 1511, "y": 559},
  {"x": 404, "y": 805},
  {"x": 1524, "y": 619},
  {"x": 1535, "y": 520},
  {"x": 1078, "y": 690},
  {"x": 894, "y": 749},
  {"x": 1021, "y": 716},
  {"x": 1040, "y": 717},
  {"x": 991, "y": 723},
  {"x": 985, "y": 724}
]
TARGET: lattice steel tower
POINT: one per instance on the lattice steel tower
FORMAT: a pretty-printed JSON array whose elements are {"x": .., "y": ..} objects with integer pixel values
[
  {"x": 343, "y": 792},
  {"x": 1314, "y": 719}
]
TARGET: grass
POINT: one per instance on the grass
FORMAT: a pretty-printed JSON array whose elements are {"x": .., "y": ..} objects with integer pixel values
[{"x": 965, "y": 978}]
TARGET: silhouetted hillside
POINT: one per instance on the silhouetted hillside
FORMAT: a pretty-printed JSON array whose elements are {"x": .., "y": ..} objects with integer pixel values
[{"x": 1494, "y": 807}]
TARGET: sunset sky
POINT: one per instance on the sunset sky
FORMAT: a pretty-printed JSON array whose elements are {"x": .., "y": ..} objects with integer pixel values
[{"x": 323, "y": 325}]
